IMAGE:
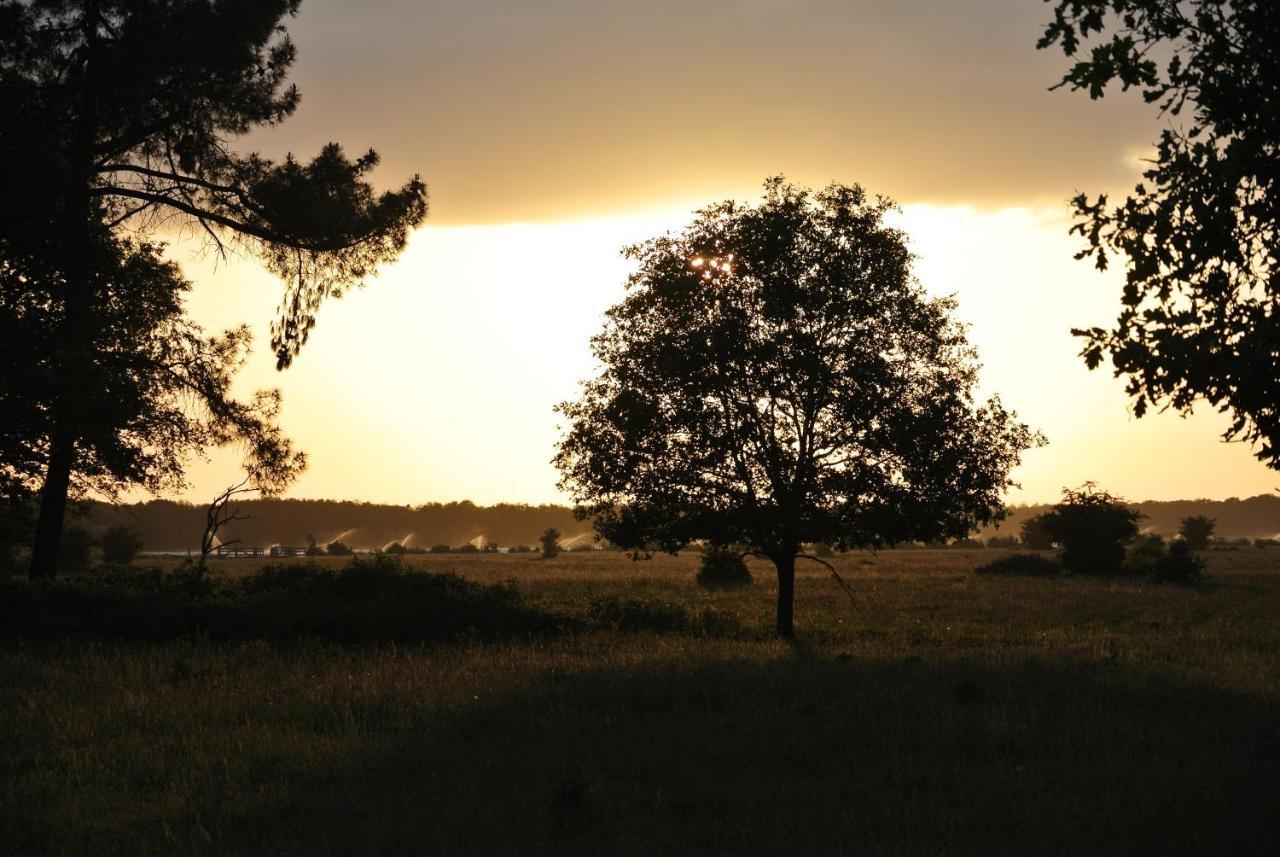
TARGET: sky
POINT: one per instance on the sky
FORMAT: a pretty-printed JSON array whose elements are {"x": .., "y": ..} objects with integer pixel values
[{"x": 551, "y": 134}]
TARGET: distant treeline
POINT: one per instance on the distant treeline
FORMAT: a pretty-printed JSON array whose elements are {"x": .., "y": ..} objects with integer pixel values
[
  {"x": 1254, "y": 518},
  {"x": 171, "y": 526}
]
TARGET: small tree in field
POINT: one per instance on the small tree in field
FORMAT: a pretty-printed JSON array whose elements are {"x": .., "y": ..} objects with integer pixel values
[
  {"x": 121, "y": 544},
  {"x": 1093, "y": 528},
  {"x": 549, "y": 541},
  {"x": 776, "y": 377},
  {"x": 1034, "y": 534},
  {"x": 1196, "y": 531}
]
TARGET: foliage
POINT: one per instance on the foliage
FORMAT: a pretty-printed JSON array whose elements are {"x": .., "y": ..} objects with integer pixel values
[
  {"x": 776, "y": 377},
  {"x": 1034, "y": 534},
  {"x": 77, "y": 553},
  {"x": 120, "y": 120},
  {"x": 338, "y": 548},
  {"x": 1092, "y": 528},
  {"x": 1003, "y": 542},
  {"x": 1201, "y": 233},
  {"x": 120, "y": 545},
  {"x": 1022, "y": 565},
  {"x": 549, "y": 543},
  {"x": 440, "y": 549},
  {"x": 720, "y": 565},
  {"x": 368, "y": 600},
  {"x": 1180, "y": 565},
  {"x": 1196, "y": 531},
  {"x": 968, "y": 544},
  {"x": 467, "y": 548},
  {"x": 1144, "y": 554}
]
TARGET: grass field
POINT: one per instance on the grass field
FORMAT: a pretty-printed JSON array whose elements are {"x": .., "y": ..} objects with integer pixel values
[{"x": 941, "y": 712}]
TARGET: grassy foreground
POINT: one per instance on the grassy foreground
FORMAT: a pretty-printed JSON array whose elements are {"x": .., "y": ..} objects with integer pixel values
[{"x": 941, "y": 713}]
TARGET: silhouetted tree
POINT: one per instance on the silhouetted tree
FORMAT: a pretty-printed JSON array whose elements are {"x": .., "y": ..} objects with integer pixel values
[
  {"x": 1034, "y": 534},
  {"x": 156, "y": 389},
  {"x": 777, "y": 377},
  {"x": 218, "y": 514},
  {"x": 1093, "y": 528},
  {"x": 337, "y": 548},
  {"x": 121, "y": 114},
  {"x": 1201, "y": 233},
  {"x": 549, "y": 541},
  {"x": 120, "y": 544},
  {"x": 1196, "y": 530}
]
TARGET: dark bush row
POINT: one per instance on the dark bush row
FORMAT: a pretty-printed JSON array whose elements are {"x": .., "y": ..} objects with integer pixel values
[
  {"x": 370, "y": 599},
  {"x": 1149, "y": 556}
]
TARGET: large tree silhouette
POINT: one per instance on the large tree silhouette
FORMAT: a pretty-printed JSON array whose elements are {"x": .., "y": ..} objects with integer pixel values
[
  {"x": 777, "y": 377},
  {"x": 1201, "y": 233},
  {"x": 121, "y": 115}
]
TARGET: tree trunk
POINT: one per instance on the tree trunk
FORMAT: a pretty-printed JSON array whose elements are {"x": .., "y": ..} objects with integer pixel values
[
  {"x": 53, "y": 509},
  {"x": 786, "y": 595},
  {"x": 74, "y": 352}
]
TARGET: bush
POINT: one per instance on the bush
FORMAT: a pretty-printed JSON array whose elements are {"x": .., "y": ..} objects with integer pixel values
[
  {"x": 722, "y": 566},
  {"x": 1145, "y": 554},
  {"x": 336, "y": 548},
  {"x": 968, "y": 544},
  {"x": 1022, "y": 565},
  {"x": 1265, "y": 543},
  {"x": 120, "y": 545},
  {"x": 1093, "y": 528},
  {"x": 519, "y": 549},
  {"x": 549, "y": 541},
  {"x": 1196, "y": 531},
  {"x": 371, "y": 599},
  {"x": 1003, "y": 542},
  {"x": 1034, "y": 534},
  {"x": 441, "y": 549},
  {"x": 76, "y": 550},
  {"x": 467, "y": 548},
  {"x": 1179, "y": 565},
  {"x": 395, "y": 548}
]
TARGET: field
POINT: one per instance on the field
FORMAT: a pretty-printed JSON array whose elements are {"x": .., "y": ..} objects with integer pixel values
[{"x": 940, "y": 712}]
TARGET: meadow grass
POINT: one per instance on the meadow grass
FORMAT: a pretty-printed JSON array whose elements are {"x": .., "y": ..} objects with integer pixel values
[{"x": 941, "y": 712}]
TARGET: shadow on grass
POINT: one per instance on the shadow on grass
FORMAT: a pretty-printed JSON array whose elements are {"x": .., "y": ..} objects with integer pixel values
[{"x": 792, "y": 753}]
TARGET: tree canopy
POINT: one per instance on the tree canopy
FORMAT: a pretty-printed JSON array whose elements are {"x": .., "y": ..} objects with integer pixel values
[
  {"x": 776, "y": 377},
  {"x": 120, "y": 119},
  {"x": 1201, "y": 233}
]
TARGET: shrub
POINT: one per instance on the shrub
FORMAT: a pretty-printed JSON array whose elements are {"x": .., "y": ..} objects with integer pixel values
[
  {"x": 1144, "y": 554},
  {"x": 519, "y": 549},
  {"x": 1022, "y": 565},
  {"x": 1179, "y": 565},
  {"x": 722, "y": 566},
  {"x": 1093, "y": 528},
  {"x": 441, "y": 549},
  {"x": 549, "y": 541},
  {"x": 1196, "y": 531},
  {"x": 1034, "y": 534},
  {"x": 1265, "y": 543},
  {"x": 75, "y": 553},
  {"x": 1003, "y": 542},
  {"x": 120, "y": 545},
  {"x": 395, "y": 548},
  {"x": 467, "y": 548},
  {"x": 371, "y": 599},
  {"x": 967, "y": 544},
  {"x": 337, "y": 548}
]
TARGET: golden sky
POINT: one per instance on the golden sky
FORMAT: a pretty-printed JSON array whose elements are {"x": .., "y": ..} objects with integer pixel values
[{"x": 553, "y": 133}]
